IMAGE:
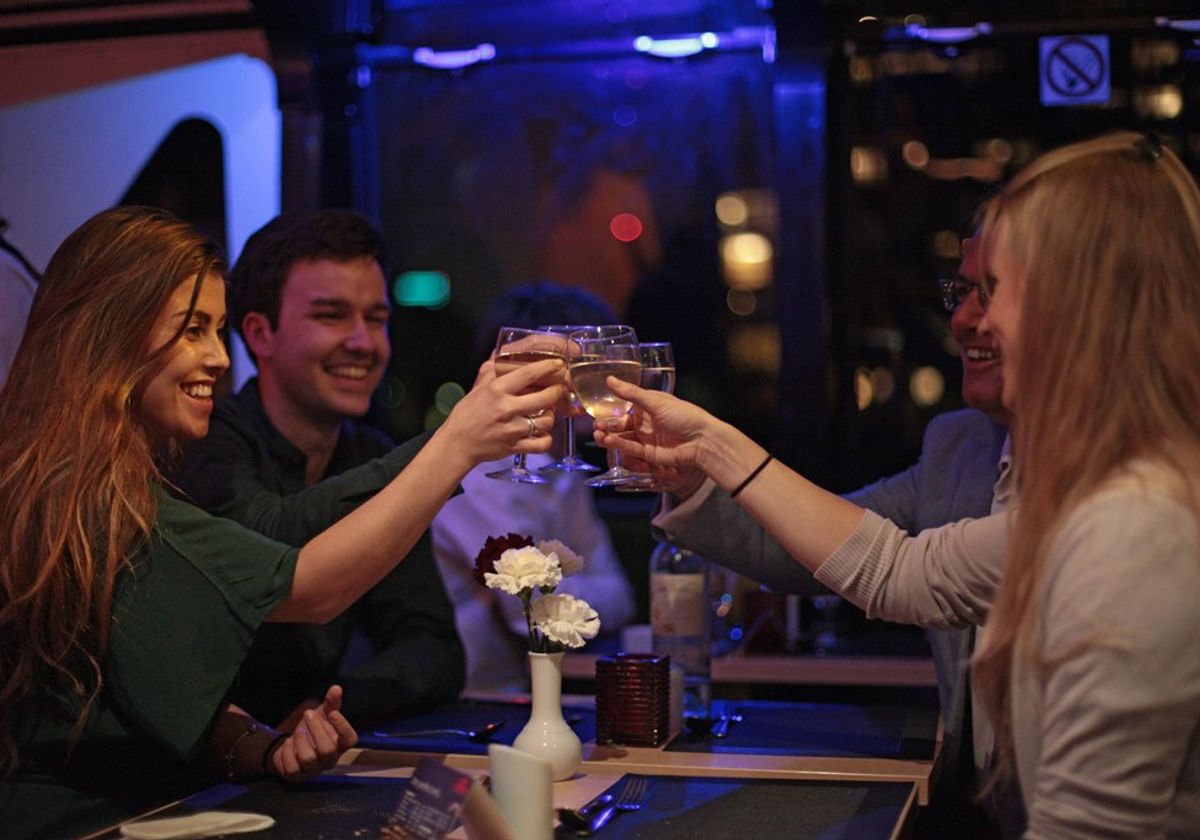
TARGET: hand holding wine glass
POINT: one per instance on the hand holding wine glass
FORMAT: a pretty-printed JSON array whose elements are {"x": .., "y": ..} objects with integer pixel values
[
  {"x": 493, "y": 419},
  {"x": 515, "y": 348},
  {"x": 663, "y": 432},
  {"x": 658, "y": 374}
]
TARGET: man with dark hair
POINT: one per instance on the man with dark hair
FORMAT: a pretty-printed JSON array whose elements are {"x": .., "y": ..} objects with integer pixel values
[{"x": 309, "y": 298}]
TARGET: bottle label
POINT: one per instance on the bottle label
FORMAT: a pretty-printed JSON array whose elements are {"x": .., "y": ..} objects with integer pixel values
[{"x": 677, "y": 605}]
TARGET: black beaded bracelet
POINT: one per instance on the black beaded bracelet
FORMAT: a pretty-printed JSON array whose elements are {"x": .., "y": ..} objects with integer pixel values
[
  {"x": 275, "y": 742},
  {"x": 753, "y": 475}
]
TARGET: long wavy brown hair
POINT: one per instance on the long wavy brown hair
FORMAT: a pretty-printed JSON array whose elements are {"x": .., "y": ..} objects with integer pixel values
[
  {"x": 77, "y": 469},
  {"x": 1105, "y": 235}
]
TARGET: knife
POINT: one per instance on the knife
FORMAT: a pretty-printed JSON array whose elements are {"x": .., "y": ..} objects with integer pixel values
[{"x": 580, "y": 818}]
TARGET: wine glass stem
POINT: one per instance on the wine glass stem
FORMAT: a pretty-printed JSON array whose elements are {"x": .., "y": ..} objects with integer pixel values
[
  {"x": 569, "y": 431},
  {"x": 519, "y": 462}
]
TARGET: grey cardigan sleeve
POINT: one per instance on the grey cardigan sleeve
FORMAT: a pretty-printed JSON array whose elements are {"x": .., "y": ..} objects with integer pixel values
[
  {"x": 720, "y": 530},
  {"x": 943, "y": 577}
]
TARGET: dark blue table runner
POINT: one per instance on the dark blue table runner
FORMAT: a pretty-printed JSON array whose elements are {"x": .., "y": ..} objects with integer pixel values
[
  {"x": 470, "y": 715},
  {"x": 819, "y": 729}
]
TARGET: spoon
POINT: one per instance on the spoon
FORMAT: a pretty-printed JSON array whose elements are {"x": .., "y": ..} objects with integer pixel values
[{"x": 480, "y": 736}]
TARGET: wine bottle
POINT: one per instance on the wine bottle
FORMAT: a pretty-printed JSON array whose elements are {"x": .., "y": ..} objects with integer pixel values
[{"x": 680, "y": 621}]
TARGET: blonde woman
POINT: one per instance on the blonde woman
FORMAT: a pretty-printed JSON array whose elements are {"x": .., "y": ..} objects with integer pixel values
[{"x": 1089, "y": 664}]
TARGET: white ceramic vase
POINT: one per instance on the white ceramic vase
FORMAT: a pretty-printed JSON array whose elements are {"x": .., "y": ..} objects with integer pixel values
[{"x": 547, "y": 735}]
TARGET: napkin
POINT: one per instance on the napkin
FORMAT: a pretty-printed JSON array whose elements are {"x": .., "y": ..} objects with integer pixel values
[
  {"x": 202, "y": 824},
  {"x": 522, "y": 786}
]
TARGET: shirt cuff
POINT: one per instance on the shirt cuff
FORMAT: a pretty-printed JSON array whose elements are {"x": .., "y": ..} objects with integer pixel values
[
  {"x": 671, "y": 515},
  {"x": 854, "y": 570}
]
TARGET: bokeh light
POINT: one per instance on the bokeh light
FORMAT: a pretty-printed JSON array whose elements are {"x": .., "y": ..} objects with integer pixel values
[
  {"x": 626, "y": 227},
  {"x": 747, "y": 260},
  {"x": 426, "y": 289},
  {"x": 926, "y": 386},
  {"x": 732, "y": 210},
  {"x": 447, "y": 396}
]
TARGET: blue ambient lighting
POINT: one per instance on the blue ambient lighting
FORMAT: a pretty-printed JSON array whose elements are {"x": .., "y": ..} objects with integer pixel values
[
  {"x": 453, "y": 59},
  {"x": 677, "y": 47}
]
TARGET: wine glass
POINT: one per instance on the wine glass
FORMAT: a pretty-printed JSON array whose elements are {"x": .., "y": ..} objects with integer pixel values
[
  {"x": 516, "y": 346},
  {"x": 570, "y": 462},
  {"x": 658, "y": 374},
  {"x": 593, "y": 355}
]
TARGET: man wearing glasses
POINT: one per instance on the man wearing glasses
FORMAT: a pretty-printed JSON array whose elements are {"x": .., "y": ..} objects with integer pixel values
[{"x": 963, "y": 472}]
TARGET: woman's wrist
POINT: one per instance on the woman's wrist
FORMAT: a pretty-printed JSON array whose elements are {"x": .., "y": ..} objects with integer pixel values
[
  {"x": 269, "y": 750},
  {"x": 249, "y": 752},
  {"x": 727, "y": 455}
]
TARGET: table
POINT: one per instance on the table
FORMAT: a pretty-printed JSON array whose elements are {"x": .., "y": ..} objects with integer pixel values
[
  {"x": 840, "y": 770},
  {"x": 353, "y": 801},
  {"x": 832, "y": 742}
]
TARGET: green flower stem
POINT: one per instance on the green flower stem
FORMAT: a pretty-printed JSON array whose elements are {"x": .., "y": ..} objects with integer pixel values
[{"x": 526, "y": 598}]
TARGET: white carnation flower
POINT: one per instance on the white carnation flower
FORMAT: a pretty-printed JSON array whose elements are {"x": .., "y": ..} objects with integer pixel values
[
  {"x": 570, "y": 562},
  {"x": 565, "y": 619},
  {"x": 524, "y": 568}
]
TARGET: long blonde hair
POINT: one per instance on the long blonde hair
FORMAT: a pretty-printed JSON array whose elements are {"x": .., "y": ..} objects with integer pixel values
[
  {"x": 76, "y": 466},
  {"x": 1105, "y": 235}
]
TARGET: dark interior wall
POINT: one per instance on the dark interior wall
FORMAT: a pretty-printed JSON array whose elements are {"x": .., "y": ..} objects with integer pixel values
[
  {"x": 975, "y": 109},
  {"x": 510, "y": 170},
  {"x": 471, "y": 171}
]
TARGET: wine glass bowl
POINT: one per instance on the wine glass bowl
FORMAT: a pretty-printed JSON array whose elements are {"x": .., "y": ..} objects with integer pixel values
[
  {"x": 658, "y": 374},
  {"x": 570, "y": 461},
  {"x": 515, "y": 347},
  {"x": 593, "y": 355}
]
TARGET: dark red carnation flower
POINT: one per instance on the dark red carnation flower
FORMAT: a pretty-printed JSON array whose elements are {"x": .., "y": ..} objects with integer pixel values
[{"x": 493, "y": 547}]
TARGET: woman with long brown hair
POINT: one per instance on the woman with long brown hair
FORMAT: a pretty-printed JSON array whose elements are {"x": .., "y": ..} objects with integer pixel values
[
  {"x": 1089, "y": 666},
  {"x": 125, "y": 613}
]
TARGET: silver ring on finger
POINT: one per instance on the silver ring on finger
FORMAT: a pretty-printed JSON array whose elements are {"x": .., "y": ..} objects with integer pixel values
[{"x": 533, "y": 429}]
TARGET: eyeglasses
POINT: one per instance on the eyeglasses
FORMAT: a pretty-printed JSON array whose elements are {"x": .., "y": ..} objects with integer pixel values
[{"x": 956, "y": 290}]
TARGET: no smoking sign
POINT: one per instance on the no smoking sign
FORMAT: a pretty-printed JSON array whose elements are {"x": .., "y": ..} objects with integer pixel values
[{"x": 1075, "y": 70}]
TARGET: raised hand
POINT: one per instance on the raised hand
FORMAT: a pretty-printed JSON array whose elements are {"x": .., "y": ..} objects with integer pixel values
[
  {"x": 315, "y": 745},
  {"x": 500, "y": 414},
  {"x": 664, "y": 435}
]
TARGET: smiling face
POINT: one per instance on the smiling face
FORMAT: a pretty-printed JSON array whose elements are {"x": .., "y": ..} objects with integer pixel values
[
  {"x": 330, "y": 348},
  {"x": 177, "y": 400},
  {"x": 982, "y": 361},
  {"x": 1003, "y": 320}
]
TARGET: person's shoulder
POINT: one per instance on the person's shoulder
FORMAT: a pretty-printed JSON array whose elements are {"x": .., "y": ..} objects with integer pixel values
[
  {"x": 190, "y": 530},
  {"x": 1140, "y": 521},
  {"x": 365, "y": 433},
  {"x": 964, "y": 422}
]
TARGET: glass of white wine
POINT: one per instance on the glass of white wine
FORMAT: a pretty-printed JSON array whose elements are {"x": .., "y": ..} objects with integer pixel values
[
  {"x": 658, "y": 374},
  {"x": 593, "y": 355},
  {"x": 570, "y": 461},
  {"x": 516, "y": 346}
]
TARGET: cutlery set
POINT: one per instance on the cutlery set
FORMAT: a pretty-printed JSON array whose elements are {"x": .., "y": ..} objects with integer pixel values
[{"x": 595, "y": 815}]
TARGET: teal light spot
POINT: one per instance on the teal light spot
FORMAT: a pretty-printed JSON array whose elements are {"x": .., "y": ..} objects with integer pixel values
[
  {"x": 428, "y": 289},
  {"x": 447, "y": 396},
  {"x": 433, "y": 418}
]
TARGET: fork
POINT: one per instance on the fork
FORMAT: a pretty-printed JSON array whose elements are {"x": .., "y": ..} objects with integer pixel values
[{"x": 629, "y": 799}]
